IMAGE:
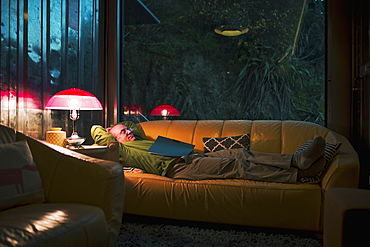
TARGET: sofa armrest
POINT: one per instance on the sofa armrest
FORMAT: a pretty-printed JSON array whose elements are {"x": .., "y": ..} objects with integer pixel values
[
  {"x": 346, "y": 214},
  {"x": 344, "y": 169},
  {"x": 70, "y": 177}
]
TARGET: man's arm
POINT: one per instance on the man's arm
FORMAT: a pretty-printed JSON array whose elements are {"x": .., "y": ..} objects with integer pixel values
[{"x": 101, "y": 136}]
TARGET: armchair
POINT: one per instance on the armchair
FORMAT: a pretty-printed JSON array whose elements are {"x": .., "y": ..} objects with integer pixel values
[
  {"x": 346, "y": 217},
  {"x": 83, "y": 199}
]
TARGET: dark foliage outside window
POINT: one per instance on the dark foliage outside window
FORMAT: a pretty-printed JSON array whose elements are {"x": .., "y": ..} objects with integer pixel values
[{"x": 274, "y": 71}]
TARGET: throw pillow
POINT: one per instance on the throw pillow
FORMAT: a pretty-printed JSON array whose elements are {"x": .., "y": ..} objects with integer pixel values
[
  {"x": 331, "y": 149},
  {"x": 215, "y": 144},
  {"x": 20, "y": 181}
]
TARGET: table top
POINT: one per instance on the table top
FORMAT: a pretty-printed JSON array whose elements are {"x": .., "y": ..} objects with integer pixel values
[
  {"x": 89, "y": 149},
  {"x": 92, "y": 147},
  {"x": 96, "y": 151}
]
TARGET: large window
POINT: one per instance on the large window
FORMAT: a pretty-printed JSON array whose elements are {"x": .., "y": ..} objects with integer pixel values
[
  {"x": 46, "y": 47},
  {"x": 276, "y": 70}
]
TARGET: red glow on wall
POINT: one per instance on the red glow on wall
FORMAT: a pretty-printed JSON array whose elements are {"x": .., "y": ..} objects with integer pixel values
[{"x": 25, "y": 101}]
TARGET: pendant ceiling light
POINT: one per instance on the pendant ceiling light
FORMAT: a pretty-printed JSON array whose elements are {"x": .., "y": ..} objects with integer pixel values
[
  {"x": 233, "y": 18},
  {"x": 228, "y": 30}
]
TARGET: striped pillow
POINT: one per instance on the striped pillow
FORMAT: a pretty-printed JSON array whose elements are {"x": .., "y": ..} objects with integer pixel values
[
  {"x": 330, "y": 151},
  {"x": 127, "y": 169}
]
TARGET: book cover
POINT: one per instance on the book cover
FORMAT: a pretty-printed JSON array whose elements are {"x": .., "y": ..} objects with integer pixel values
[{"x": 170, "y": 147}]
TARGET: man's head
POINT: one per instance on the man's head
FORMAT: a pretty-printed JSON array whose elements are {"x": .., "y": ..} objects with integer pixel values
[{"x": 121, "y": 133}]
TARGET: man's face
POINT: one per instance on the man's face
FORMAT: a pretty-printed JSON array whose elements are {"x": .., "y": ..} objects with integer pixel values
[{"x": 122, "y": 133}]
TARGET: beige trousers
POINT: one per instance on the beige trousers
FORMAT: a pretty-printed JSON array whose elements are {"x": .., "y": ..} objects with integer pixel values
[{"x": 237, "y": 164}]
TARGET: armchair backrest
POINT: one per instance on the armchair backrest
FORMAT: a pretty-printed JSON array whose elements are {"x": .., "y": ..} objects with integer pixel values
[{"x": 7, "y": 135}]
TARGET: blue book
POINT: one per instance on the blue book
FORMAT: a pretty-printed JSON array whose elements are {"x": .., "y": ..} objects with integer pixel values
[{"x": 170, "y": 147}]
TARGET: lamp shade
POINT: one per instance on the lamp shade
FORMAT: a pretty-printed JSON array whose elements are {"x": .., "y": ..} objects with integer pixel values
[
  {"x": 73, "y": 99},
  {"x": 165, "y": 110}
]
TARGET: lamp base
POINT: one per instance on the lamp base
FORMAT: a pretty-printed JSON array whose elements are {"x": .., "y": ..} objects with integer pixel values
[{"x": 74, "y": 141}]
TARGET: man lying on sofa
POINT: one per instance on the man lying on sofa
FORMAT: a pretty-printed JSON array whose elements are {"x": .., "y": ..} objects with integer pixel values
[{"x": 229, "y": 163}]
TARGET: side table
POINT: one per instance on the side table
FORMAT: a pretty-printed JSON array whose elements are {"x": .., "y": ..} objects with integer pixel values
[{"x": 109, "y": 152}]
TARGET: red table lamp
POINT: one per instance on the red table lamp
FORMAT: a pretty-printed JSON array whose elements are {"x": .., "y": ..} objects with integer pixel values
[
  {"x": 74, "y": 100},
  {"x": 165, "y": 110}
]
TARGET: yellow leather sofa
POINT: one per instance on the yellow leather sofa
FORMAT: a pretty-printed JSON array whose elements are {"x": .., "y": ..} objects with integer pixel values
[
  {"x": 83, "y": 200},
  {"x": 241, "y": 202}
]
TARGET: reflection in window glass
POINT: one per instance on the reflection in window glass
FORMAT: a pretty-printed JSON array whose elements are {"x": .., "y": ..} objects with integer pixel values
[
  {"x": 273, "y": 71},
  {"x": 34, "y": 94},
  {"x": 8, "y": 83},
  {"x": 55, "y": 45},
  {"x": 56, "y": 70},
  {"x": 31, "y": 72}
]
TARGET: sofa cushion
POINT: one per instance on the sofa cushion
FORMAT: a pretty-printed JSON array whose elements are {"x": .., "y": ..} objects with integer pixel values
[
  {"x": 216, "y": 144},
  {"x": 330, "y": 151},
  {"x": 20, "y": 181}
]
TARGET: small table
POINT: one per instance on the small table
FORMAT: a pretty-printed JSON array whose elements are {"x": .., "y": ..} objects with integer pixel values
[{"x": 109, "y": 152}]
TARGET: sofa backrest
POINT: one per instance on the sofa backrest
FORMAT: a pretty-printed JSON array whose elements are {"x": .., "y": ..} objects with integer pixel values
[
  {"x": 271, "y": 136},
  {"x": 7, "y": 135}
]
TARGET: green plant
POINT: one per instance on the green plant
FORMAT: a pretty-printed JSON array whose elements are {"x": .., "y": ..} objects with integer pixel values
[
  {"x": 268, "y": 87},
  {"x": 183, "y": 62}
]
